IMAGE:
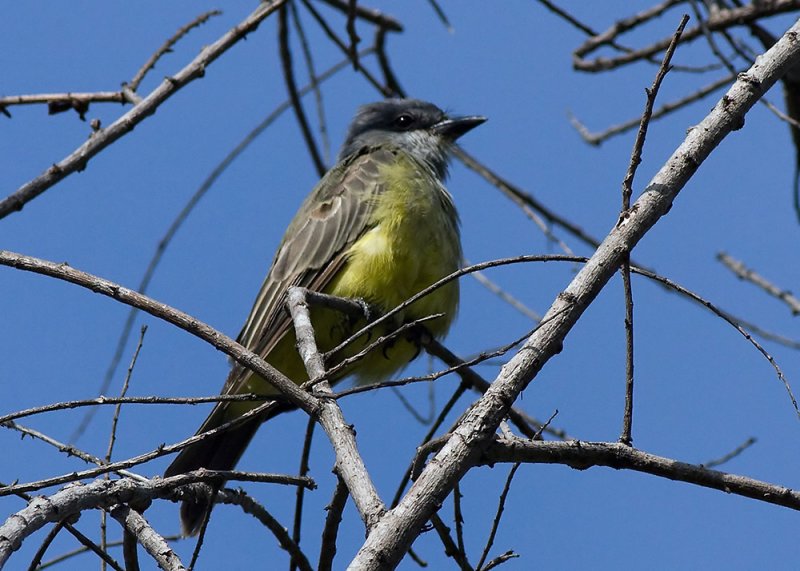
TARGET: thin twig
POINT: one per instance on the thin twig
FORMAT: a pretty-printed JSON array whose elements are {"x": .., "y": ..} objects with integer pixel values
[
  {"x": 46, "y": 542},
  {"x": 496, "y": 521},
  {"x": 291, "y": 87},
  {"x": 744, "y": 273},
  {"x": 83, "y": 549},
  {"x": 100, "y": 401},
  {"x": 78, "y": 159},
  {"x": 460, "y": 390},
  {"x": 253, "y": 508},
  {"x": 351, "y": 32},
  {"x": 368, "y": 14},
  {"x": 300, "y": 493},
  {"x": 626, "y": 437},
  {"x": 335, "y": 508},
  {"x": 120, "y": 465},
  {"x": 665, "y": 109},
  {"x": 441, "y": 15},
  {"x": 500, "y": 559},
  {"x": 730, "y": 455},
  {"x": 506, "y": 297},
  {"x": 458, "y": 519},
  {"x": 133, "y": 84},
  {"x": 123, "y": 393},
  {"x": 313, "y": 81},
  {"x": 113, "y": 433},
  {"x": 450, "y": 547},
  {"x": 67, "y": 449},
  {"x": 719, "y": 20},
  {"x": 526, "y": 200},
  {"x": 59, "y": 102},
  {"x": 652, "y": 93},
  {"x": 391, "y": 86}
]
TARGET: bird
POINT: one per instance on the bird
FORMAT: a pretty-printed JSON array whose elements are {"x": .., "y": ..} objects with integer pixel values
[{"x": 379, "y": 227}]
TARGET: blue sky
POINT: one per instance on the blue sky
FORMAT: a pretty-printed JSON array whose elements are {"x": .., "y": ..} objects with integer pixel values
[{"x": 701, "y": 389}]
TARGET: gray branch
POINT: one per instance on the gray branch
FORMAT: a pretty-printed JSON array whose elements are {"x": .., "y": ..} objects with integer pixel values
[{"x": 391, "y": 538}]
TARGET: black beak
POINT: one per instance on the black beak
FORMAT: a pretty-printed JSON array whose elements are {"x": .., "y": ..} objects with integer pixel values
[{"x": 453, "y": 128}]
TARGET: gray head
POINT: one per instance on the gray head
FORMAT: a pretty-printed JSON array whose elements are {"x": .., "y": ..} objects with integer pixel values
[{"x": 419, "y": 128}]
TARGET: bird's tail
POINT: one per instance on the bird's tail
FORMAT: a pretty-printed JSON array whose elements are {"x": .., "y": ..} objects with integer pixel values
[{"x": 218, "y": 452}]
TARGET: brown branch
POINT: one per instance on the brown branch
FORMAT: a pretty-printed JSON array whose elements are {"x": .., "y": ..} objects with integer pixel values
[
  {"x": 78, "y": 159},
  {"x": 253, "y": 508},
  {"x": 498, "y": 516},
  {"x": 368, "y": 14},
  {"x": 626, "y": 437},
  {"x": 343, "y": 46},
  {"x": 522, "y": 198},
  {"x": 351, "y": 32},
  {"x": 60, "y": 102},
  {"x": 335, "y": 508},
  {"x": 46, "y": 543},
  {"x": 744, "y": 273},
  {"x": 582, "y": 455},
  {"x": 100, "y": 401},
  {"x": 300, "y": 493},
  {"x": 719, "y": 20},
  {"x": 291, "y": 87},
  {"x": 730, "y": 455},
  {"x": 597, "y": 138},
  {"x": 133, "y": 84},
  {"x": 391, "y": 86},
  {"x": 450, "y": 547}
]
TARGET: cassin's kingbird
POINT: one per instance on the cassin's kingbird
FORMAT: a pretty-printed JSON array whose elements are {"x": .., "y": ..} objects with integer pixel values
[{"x": 380, "y": 226}]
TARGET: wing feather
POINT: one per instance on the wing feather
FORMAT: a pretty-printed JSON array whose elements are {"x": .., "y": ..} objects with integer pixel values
[{"x": 336, "y": 213}]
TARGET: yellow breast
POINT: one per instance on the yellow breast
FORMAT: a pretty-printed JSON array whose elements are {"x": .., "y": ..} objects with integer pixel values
[{"x": 412, "y": 242}]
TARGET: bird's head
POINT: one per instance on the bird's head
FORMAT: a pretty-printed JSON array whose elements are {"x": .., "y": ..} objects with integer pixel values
[{"x": 417, "y": 127}]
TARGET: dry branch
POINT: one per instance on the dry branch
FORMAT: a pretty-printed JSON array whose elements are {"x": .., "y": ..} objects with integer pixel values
[{"x": 390, "y": 539}]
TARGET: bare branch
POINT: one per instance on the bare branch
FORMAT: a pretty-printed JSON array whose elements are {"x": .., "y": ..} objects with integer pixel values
[
  {"x": 743, "y": 272},
  {"x": 335, "y": 508},
  {"x": 665, "y": 109},
  {"x": 718, "y": 20},
  {"x": 368, "y": 14},
  {"x": 582, "y": 455},
  {"x": 135, "y": 524},
  {"x": 79, "y": 158},
  {"x": 349, "y": 463},
  {"x": 59, "y": 102},
  {"x": 133, "y": 84},
  {"x": 390, "y": 539},
  {"x": 450, "y": 547},
  {"x": 730, "y": 455},
  {"x": 501, "y": 504},
  {"x": 627, "y": 190},
  {"x": 291, "y": 87},
  {"x": 250, "y": 506}
]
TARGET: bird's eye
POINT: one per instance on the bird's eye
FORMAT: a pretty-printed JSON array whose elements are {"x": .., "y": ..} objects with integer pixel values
[{"x": 404, "y": 121}]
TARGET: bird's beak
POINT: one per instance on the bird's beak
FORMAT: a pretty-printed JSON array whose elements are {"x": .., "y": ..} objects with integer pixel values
[{"x": 453, "y": 128}]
